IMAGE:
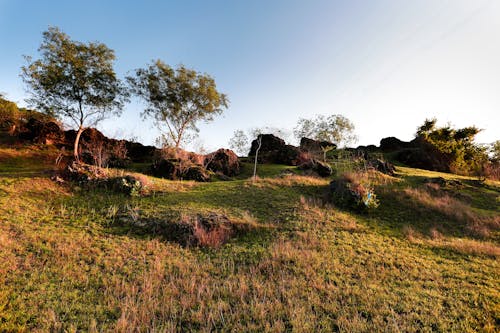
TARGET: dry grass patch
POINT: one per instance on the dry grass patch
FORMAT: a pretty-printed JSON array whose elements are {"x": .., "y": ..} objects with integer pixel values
[
  {"x": 460, "y": 245},
  {"x": 287, "y": 181},
  {"x": 452, "y": 208}
]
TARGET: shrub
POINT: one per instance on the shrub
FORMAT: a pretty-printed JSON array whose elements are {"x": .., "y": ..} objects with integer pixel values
[
  {"x": 128, "y": 185},
  {"x": 352, "y": 191}
]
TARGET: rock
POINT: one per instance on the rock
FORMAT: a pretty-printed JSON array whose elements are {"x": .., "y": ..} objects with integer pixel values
[
  {"x": 44, "y": 132},
  {"x": 383, "y": 166},
  {"x": 139, "y": 153},
  {"x": 166, "y": 168},
  {"x": 424, "y": 156},
  {"x": 391, "y": 144},
  {"x": 274, "y": 150},
  {"x": 270, "y": 143},
  {"x": 224, "y": 161},
  {"x": 322, "y": 169},
  {"x": 315, "y": 146},
  {"x": 197, "y": 173},
  {"x": 174, "y": 169},
  {"x": 50, "y": 134}
]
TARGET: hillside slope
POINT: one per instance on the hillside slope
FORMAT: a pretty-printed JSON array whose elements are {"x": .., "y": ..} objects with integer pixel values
[{"x": 78, "y": 259}]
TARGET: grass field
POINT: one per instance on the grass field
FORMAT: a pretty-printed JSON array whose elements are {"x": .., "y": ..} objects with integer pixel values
[{"x": 72, "y": 260}]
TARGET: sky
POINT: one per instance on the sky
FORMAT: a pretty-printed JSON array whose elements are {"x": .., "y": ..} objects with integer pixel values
[{"x": 387, "y": 65}]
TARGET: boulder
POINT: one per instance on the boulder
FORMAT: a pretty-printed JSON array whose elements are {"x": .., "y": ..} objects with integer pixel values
[
  {"x": 382, "y": 166},
  {"x": 89, "y": 135},
  {"x": 424, "y": 156},
  {"x": 166, "y": 168},
  {"x": 391, "y": 144},
  {"x": 269, "y": 142},
  {"x": 322, "y": 169},
  {"x": 175, "y": 169},
  {"x": 139, "y": 153},
  {"x": 224, "y": 161},
  {"x": 274, "y": 150},
  {"x": 196, "y": 172},
  {"x": 311, "y": 145},
  {"x": 44, "y": 132}
]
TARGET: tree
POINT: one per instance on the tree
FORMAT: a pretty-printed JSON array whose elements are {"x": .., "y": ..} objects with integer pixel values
[
  {"x": 495, "y": 151},
  {"x": 177, "y": 98},
  {"x": 336, "y": 129},
  {"x": 9, "y": 115},
  {"x": 239, "y": 143},
  {"x": 74, "y": 81},
  {"x": 457, "y": 145}
]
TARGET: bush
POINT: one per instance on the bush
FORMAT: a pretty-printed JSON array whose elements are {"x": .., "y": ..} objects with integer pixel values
[
  {"x": 128, "y": 185},
  {"x": 349, "y": 192}
]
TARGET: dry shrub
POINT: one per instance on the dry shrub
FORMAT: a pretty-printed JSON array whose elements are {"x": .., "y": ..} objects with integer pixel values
[
  {"x": 213, "y": 237},
  {"x": 492, "y": 171}
]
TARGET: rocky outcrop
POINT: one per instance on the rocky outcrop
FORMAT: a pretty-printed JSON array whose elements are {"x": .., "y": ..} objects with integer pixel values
[
  {"x": 140, "y": 153},
  {"x": 382, "y": 166},
  {"x": 424, "y": 156},
  {"x": 311, "y": 145},
  {"x": 176, "y": 169},
  {"x": 274, "y": 150},
  {"x": 391, "y": 144},
  {"x": 44, "y": 132},
  {"x": 223, "y": 161},
  {"x": 322, "y": 169}
]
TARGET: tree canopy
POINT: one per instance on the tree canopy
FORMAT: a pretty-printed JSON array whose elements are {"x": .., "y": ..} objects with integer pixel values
[
  {"x": 74, "y": 81},
  {"x": 466, "y": 155},
  {"x": 177, "y": 98},
  {"x": 335, "y": 128}
]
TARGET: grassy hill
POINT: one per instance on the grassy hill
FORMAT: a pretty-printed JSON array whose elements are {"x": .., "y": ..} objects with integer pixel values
[{"x": 76, "y": 259}]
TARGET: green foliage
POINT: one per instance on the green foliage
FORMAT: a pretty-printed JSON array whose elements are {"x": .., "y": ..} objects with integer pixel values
[
  {"x": 9, "y": 114},
  {"x": 177, "y": 98},
  {"x": 335, "y": 128},
  {"x": 466, "y": 156},
  {"x": 128, "y": 185},
  {"x": 74, "y": 81},
  {"x": 495, "y": 151}
]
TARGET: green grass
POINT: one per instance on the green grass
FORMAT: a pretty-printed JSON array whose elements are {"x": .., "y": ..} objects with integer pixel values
[{"x": 69, "y": 263}]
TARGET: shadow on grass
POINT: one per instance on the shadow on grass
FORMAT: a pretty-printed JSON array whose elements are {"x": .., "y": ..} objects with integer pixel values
[{"x": 465, "y": 209}]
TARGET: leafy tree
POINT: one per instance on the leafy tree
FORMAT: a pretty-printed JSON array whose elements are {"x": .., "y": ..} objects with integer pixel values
[
  {"x": 335, "y": 128},
  {"x": 9, "y": 115},
  {"x": 465, "y": 155},
  {"x": 239, "y": 142},
  {"x": 495, "y": 151},
  {"x": 74, "y": 81},
  {"x": 177, "y": 98}
]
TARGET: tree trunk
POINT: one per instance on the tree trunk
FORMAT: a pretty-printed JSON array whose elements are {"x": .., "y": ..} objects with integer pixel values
[
  {"x": 77, "y": 141},
  {"x": 256, "y": 155}
]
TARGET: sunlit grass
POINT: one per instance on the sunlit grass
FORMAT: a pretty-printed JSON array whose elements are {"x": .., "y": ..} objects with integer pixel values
[{"x": 69, "y": 261}]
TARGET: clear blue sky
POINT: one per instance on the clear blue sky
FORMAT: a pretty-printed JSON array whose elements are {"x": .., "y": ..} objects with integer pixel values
[{"x": 386, "y": 65}]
